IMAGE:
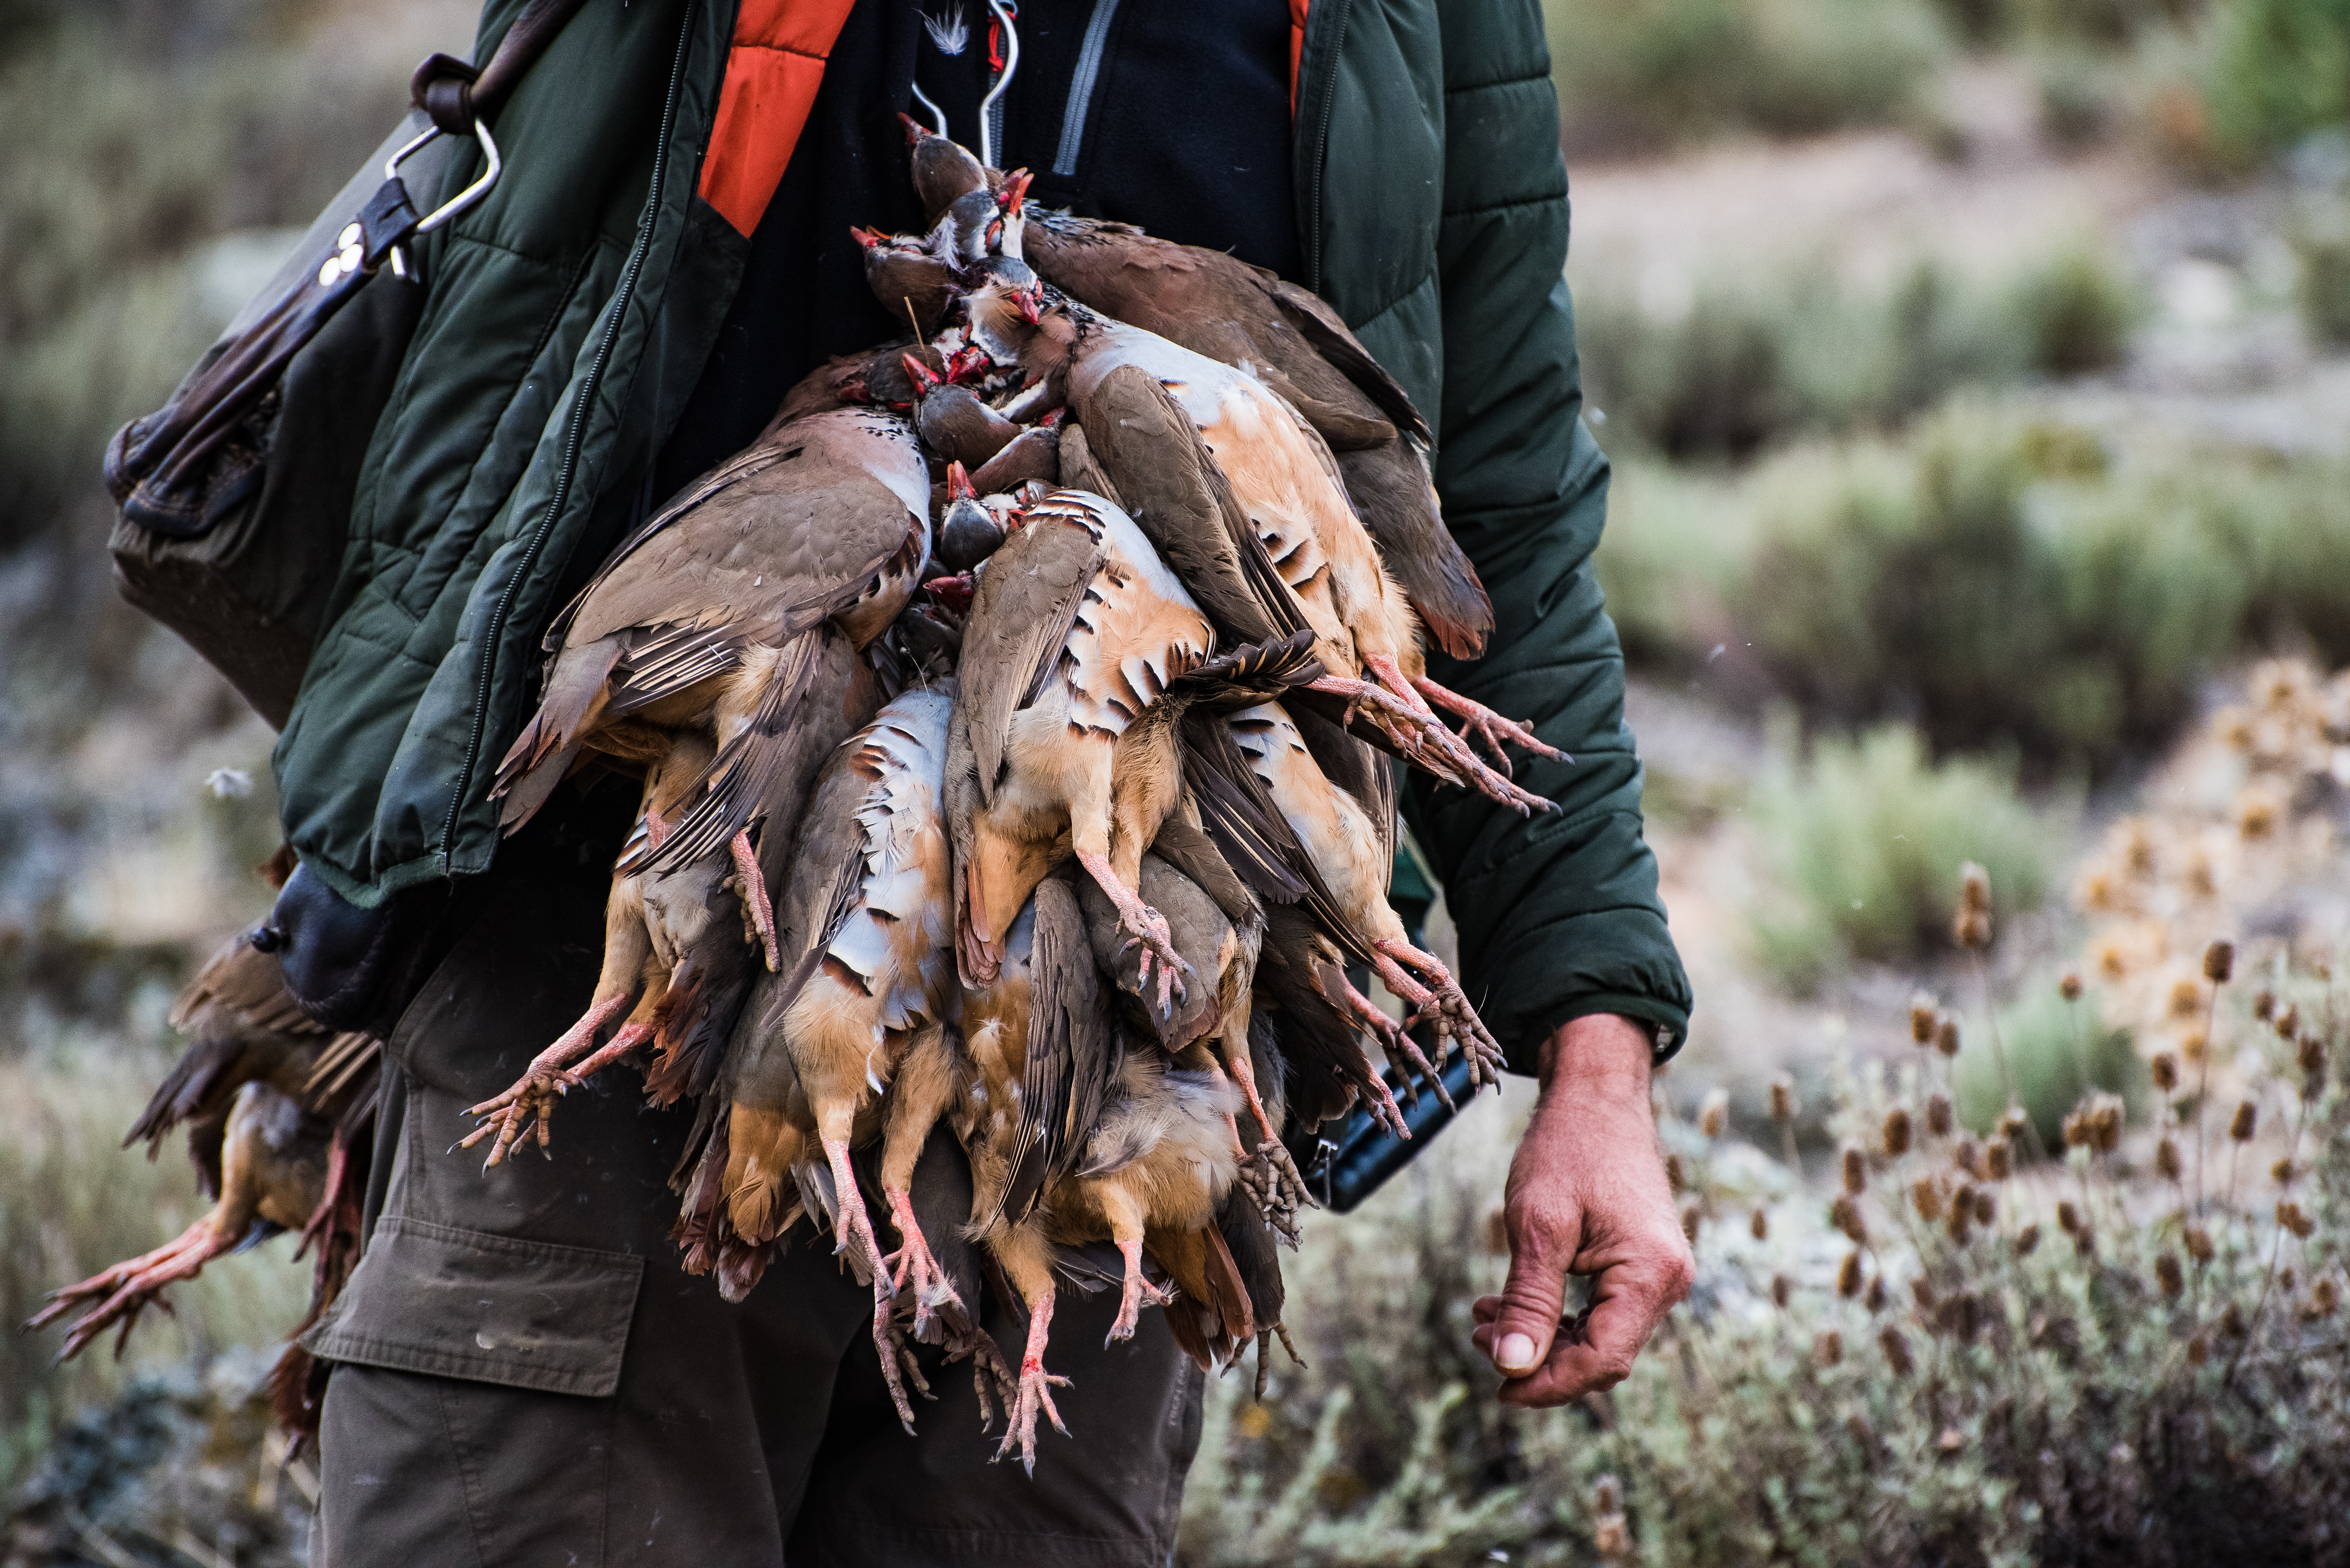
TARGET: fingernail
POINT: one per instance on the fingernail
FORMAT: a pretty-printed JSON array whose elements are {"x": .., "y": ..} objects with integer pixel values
[{"x": 1516, "y": 1355}]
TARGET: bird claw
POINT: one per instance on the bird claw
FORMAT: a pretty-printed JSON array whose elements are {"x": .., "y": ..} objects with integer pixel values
[
  {"x": 1033, "y": 1395},
  {"x": 898, "y": 1365},
  {"x": 914, "y": 1264},
  {"x": 1439, "y": 999}
]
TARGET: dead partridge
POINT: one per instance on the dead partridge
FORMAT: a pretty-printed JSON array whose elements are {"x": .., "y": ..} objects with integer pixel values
[
  {"x": 1345, "y": 850},
  {"x": 868, "y": 902},
  {"x": 1076, "y": 628},
  {"x": 1287, "y": 483},
  {"x": 1216, "y": 304},
  {"x": 1041, "y": 1054}
]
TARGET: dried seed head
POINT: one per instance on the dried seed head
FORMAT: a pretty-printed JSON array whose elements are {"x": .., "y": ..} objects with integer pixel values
[
  {"x": 1608, "y": 1495},
  {"x": 2078, "y": 1134},
  {"x": 2219, "y": 962},
  {"x": 1938, "y": 1116},
  {"x": 2231, "y": 1321},
  {"x": 2167, "y": 1161},
  {"x": 2287, "y": 1020},
  {"x": 2168, "y": 1275},
  {"x": 1896, "y": 1132},
  {"x": 1782, "y": 1098},
  {"x": 1962, "y": 1215},
  {"x": 1759, "y": 1225},
  {"x": 1921, "y": 1018},
  {"x": 2164, "y": 1070},
  {"x": 2106, "y": 1123},
  {"x": 2198, "y": 1243},
  {"x": 1827, "y": 1350},
  {"x": 1676, "y": 1176},
  {"x": 2265, "y": 1004},
  {"x": 1845, "y": 1215},
  {"x": 1986, "y": 1209},
  {"x": 2282, "y": 1172},
  {"x": 1689, "y": 1218},
  {"x": 2324, "y": 1299},
  {"x": 2069, "y": 986},
  {"x": 2309, "y": 1051},
  {"x": 2084, "y": 1240},
  {"x": 1946, "y": 1037},
  {"x": 1713, "y": 1115},
  {"x": 1611, "y": 1537},
  {"x": 2026, "y": 1240},
  {"x": 1849, "y": 1276},
  {"x": 1921, "y": 1290},
  {"x": 1896, "y": 1345},
  {"x": 1967, "y": 1154},
  {"x": 2289, "y": 1215},
  {"x": 1782, "y": 1290},
  {"x": 2193, "y": 1044},
  {"x": 2241, "y": 1126},
  {"x": 1998, "y": 1160},
  {"x": 2068, "y": 1218},
  {"x": 2186, "y": 997},
  {"x": 2198, "y": 1350},
  {"x": 1873, "y": 1298},
  {"x": 2013, "y": 1123},
  {"x": 2286, "y": 1279},
  {"x": 1926, "y": 1196},
  {"x": 1855, "y": 1172}
]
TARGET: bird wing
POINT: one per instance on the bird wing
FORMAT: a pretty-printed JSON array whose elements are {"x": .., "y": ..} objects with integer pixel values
[
  {"x": 1186, "y": 846},
  {"x": 1256, "y": 839},
  {"x": 1322, "y": 327},
  {"x": 1391, "y": 493},
  {"x": 248, "y": 983},
  {"x": 1354, "y": 765},
  {"x": 1020, "y": 617},
  {"x": 1179, "y": 498},
  {"x": 1073, "y": 1052}
]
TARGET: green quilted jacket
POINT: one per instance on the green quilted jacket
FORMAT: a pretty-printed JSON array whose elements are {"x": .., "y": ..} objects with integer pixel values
[{"x": 568, "y": 314}]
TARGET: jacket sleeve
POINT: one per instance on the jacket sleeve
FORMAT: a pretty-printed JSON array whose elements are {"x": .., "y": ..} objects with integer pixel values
[{"x": 1558, "y": 915}]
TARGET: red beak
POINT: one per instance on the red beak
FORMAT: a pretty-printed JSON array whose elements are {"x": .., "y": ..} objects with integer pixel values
[
  {"x": 869, "y": 238},
  {"x": 922, "y": 375},
  {"x": 959, "y": 486},
  {"x": 915, "y": 130},
  {"x": 1030, "y": 302},
  {"x": 1014, "y": 191}
]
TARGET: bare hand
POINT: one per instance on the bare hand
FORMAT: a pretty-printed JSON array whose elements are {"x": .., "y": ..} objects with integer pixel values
[{"x": 1586, "y": 1196}]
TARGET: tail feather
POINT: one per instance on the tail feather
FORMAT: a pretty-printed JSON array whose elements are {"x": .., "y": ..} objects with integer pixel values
[{"x": 543, "y": 754}]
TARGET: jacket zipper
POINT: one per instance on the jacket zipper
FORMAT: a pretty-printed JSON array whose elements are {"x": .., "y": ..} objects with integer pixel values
[
  {"x": 580, "y": 412},
  {"x": 1325, "y": 66},
  {"x": 1081, "y": 88}
]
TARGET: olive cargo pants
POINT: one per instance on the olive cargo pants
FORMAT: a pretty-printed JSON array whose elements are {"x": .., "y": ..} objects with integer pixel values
[{"x": 523, "y": 1375}]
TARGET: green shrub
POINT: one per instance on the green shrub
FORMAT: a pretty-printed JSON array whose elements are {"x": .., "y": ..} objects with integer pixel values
[
  {"x": 2274, "y": 71},
  {"x": 2000, "y": 584},
  {"x": 1651, "y": 73},
  {"x": 2076, "y": 312},
  {"x": 1973, "y": 1400},
  {"x": 2325, "y": 252},
  {"x": 2056, "y": 1052},
  {"x": 1863, "y": 842}
]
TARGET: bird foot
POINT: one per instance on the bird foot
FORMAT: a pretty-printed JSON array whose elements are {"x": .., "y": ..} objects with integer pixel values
[
  {"x": 1032, "y": 1395},
  {"x": 758, "y": 909},
  {"x": 1394, "y": 704},
  {"x": 1135, "y": 1291},
  {"x": 1487, "y": 725},
  {"x": 1146, "y": 928},
  {"x": 531, "y": 1101},
  {"x": 853, "y": 1227},
  {"x": 915, "y": 1266},
  {"x": 1280, "y": 1190},
  {"x": 1398, "y": 1043},
  {"x": 129, "y": 1288},
  {"x": 1443, "y": 1005},
  {"x": 898, "y": 1365}
]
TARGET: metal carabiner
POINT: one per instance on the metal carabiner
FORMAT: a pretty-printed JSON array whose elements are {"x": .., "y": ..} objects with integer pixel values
[
  {"x": 1005, "y": 16},
  {"x": 456, "y": 204}
]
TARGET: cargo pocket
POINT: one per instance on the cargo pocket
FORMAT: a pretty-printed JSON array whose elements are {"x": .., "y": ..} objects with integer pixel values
[{"x": 484, "y": 1308}]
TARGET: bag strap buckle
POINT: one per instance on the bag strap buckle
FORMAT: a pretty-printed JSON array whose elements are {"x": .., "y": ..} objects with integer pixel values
[{"x": 388, "y": 220}]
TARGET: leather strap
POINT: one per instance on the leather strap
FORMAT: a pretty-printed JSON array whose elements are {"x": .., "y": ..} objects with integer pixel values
[{"x": 455, "y": 94}]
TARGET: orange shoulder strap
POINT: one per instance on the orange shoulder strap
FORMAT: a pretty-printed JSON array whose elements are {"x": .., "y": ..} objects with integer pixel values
[
  {"x": 1296, "y": 47},
  {"x": 773, "y": 71}
]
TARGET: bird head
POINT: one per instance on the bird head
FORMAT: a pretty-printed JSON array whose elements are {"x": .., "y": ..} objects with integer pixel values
[
  {"x": 1007, "y": 308},
  {"x": 959, "y": 485},
  {"x": 925, "y": 380}
]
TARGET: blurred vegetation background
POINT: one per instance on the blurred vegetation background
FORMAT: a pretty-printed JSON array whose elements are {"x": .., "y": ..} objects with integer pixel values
[{"x": 1977, "y": 378}]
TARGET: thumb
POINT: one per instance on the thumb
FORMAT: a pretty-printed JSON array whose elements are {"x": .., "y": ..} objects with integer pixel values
[{"x": 1533, "y": 1302}]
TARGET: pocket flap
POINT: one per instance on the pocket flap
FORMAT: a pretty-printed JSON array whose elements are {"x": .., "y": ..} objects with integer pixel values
[{"x": 490, "y": 1309}]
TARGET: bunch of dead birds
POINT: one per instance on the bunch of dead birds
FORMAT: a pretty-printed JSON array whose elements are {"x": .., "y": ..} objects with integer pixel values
[{"x": 1015, "y": 717}]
